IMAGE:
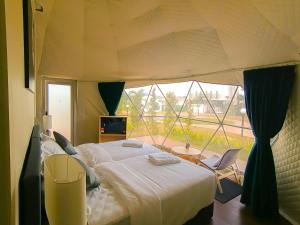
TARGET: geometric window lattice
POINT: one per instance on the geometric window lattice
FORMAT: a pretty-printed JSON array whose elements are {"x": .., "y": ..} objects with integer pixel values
[{"x": 210, "y": 117}]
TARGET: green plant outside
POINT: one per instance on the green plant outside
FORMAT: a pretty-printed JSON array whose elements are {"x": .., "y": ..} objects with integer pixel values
[
  {"x": 199, "y": 137},
  {"x": 197, "y": 133}
]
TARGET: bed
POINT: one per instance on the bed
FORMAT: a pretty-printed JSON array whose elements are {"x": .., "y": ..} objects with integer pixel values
[
  {"x": 133, "y": 191},
  {"x": 171, "y": 194},
  {"x": 117, "y": 164}
]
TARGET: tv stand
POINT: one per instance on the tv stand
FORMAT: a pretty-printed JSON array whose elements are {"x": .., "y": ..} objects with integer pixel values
[
  {"x": 111, "y": 137},
  {"x": 106, "y": 137}
]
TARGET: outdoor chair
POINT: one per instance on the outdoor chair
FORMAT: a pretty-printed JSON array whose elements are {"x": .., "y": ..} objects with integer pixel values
[{"x": 218, "y": 165}]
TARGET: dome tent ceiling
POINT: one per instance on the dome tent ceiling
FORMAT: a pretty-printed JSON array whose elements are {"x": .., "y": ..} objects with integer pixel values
[{"x": 143, "y": 40}]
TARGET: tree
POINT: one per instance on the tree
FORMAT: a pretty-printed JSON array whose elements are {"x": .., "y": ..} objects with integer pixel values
[
  {"x": 197, "y": 99},
  {"x": 188, "y": 107},
  {"x": 240, "y": 102},
  {"x": 153, "y": 106},
  {"x": 217, "y": 94},
  {"x": 210, "y": 96},
  {"x": 122, "y": 109},
  {"x": 169, "y": 113},
  {"x": 136, "y": 98}
]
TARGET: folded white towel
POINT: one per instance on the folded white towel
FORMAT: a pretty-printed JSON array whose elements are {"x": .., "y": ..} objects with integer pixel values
[
  {"x": 132, "y": 144},
  {"x": 163, "y": 158}
]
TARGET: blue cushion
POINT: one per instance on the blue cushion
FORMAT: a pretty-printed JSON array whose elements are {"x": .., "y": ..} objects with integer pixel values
[
  {"x": 64, "y": 143},
  {"x": 91, "y": 178}
]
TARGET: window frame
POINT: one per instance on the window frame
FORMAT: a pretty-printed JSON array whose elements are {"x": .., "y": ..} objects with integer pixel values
[{"x": 221, "y": 123}]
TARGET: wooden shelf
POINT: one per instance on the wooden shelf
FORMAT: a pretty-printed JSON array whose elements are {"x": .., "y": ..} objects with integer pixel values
[
  {"x": 113, "y": 135},
  {"x": 106, "y": 137}
]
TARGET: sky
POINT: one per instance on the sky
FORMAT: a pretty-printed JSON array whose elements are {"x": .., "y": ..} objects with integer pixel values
[
  {"x": 181, "y": 89},
  {"x": 59, "y": 106}
]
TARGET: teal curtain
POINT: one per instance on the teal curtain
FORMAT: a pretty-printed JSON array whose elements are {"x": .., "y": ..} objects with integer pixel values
[
  {"x": 267, "y": 93},
  {"x": 111, "y": 93}
]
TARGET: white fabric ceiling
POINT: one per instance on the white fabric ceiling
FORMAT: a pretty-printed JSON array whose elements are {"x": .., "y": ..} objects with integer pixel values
[{"x": 144, "y": 40}]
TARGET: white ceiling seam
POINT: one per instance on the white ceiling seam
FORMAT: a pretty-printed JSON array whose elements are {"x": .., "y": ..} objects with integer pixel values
[
  {"x": 226, "y": 77},
  {"x": 136, "y": 41}
]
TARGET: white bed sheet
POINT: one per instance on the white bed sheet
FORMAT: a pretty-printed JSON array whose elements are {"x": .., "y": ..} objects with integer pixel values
[
  {"x": 154, "y": 195},
  {"x": 130, "y": 184},
  {"x": 109, "y": 151},
  {"x": 118, "y": 152},
  {"x": 105, "y": 206}
]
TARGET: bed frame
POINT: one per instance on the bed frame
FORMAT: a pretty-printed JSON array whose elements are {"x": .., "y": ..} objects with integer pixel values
[
  {"x": 30, "y": 188},
  {"x": 203, "y": 216},
  {"x": 31, "y": 205},
  {"x": 30, "y": 182}
]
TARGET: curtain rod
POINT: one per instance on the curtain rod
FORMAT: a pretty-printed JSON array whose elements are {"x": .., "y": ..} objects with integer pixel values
[{"x": 221, "y": 71}]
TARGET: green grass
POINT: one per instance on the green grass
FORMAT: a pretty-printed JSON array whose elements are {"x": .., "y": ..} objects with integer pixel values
[{"x": 199, "y": 137}]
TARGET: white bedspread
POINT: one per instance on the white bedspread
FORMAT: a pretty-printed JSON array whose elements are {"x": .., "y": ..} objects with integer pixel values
[
  {"x": 106, "y": 207},
  {"x": 117, "y": 152},
  {"x": 93, "y": 154},
  {"x": 164, "y": 195},
  {"x": 105, "y": 152}
]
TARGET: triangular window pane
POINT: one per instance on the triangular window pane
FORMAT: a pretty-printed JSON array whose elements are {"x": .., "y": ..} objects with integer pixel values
[
  {"x": 237, "y": 115},
  {"x": 138, "y": 96},
  {"x": 159, "y": 127},
  {"x": 177, "y": 136},
  {"x": 180, "y": 91},
  {"x": 196, "y": 106},
  {"x": 158, "y": 106},
  {"x": 125, "y": 106},
  {"x": 219, "y": 96},
  {"x": 198, "y": 132},
  {"x": 141, "y": 133},
  {"x": 132, "y": 124},
  {"x": 218, "y": 144}
]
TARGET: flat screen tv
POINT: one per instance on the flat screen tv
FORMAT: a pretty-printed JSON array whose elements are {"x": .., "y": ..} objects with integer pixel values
[{"x": 113, "y": 125}]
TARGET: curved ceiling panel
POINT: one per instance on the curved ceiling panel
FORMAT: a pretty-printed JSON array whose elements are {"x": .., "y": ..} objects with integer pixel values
[{"x": 135, "y": 40}]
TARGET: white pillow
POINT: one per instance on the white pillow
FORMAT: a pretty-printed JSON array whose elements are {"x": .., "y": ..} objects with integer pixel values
[
  {"x": 93, "y": 154},
  {"x": 50, "y": 147},
  {"x": 45, "y": 137}
]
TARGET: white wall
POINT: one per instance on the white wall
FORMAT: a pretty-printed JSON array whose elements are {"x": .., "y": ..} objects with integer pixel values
[
  {"x": 5, "y": 202},
  {"x": 287, "y": 158},
  {"x": 89, "y": 107},
  {"x": 20, "y": 103}
]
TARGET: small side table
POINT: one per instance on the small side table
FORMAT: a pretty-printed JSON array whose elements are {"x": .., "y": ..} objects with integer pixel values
[{"x": 191, "y": 154}]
